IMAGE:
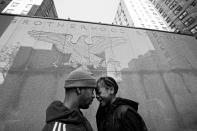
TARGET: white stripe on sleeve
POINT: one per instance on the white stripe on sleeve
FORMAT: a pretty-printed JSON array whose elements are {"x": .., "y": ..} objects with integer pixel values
[
  {"x": 64, "y": 127},
  {"x": 59, "y": 126},
  {"x": 54, "y": 127}
]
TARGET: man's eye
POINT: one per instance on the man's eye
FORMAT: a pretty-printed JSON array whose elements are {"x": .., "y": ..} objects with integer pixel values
[{"x": 98, "y": 93}]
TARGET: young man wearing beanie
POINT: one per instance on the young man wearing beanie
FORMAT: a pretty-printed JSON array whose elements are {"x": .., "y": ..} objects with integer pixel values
[
  {"x": 115, "y": 113},
  {"x": 79, "y": 94}
]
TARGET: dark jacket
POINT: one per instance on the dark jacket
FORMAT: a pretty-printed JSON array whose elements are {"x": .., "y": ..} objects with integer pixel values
[
  {"x": 121, "y": 115},
  {"x": 60, "y": 118}
]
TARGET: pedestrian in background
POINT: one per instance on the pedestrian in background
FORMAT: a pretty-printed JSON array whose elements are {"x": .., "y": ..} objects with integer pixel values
[
  {"x": 79, "y": 94},
  {"x": 115, "y": 113}
]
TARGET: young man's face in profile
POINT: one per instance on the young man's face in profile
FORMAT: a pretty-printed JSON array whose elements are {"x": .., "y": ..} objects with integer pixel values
[{"x": 104, "y": 93}]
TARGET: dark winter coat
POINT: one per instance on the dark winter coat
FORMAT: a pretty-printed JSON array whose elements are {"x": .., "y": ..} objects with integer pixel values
[
  {"x": 60, "y": 118},
  {"x": 121, "y": 115}
]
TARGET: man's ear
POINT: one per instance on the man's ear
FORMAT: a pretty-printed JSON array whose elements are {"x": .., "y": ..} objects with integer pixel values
[{"x": 78, "y": 91}]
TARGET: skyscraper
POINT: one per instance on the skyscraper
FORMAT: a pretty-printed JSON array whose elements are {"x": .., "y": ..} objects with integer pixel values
[
  {"x": 3, "y": 4},
  {"x": 44, "y": 8},
  {"x": 139, "y": 13},
  {"x": 181, "y": 15}
]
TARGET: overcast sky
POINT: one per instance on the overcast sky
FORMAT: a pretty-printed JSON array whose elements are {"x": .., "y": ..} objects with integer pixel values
[{"x": 87, "y": 10}]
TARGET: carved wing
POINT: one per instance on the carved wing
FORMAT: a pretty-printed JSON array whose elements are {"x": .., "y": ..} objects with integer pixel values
[
  {"x": 54, "y": 38},
  {"x": 101, "y": 43}
]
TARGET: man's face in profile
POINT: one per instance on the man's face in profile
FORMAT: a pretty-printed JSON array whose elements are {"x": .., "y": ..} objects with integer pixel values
[
  {"x": 86, "y": 98},
  {"x": 103, "y": 93}
]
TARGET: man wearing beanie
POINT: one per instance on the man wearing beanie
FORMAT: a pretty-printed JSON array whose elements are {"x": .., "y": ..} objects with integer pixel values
[{"x": 79, "y": 94}]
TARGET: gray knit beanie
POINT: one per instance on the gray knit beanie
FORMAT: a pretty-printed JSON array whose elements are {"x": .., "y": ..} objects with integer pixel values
[{"x": 80, "y": 78}]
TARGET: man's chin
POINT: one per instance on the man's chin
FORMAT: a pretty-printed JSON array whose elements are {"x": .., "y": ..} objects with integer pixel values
[
  {"x": 102, "y": 103},
  {"x": 85, "y": 107}
]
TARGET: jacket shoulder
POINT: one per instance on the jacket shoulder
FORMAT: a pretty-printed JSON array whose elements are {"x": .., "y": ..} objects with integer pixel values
[
  {"x": 127, "y": 114},
  {"x": 123, "y": 108}
]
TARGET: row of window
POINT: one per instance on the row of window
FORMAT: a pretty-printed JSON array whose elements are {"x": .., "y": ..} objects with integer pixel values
[
  {"x": 179, "y": 8},
  {"x": 194, "y": 29},
  {"x": 189, "y": 21},
  {"x": 171, "y": 6},
  {"x": 11, "y": 11}
]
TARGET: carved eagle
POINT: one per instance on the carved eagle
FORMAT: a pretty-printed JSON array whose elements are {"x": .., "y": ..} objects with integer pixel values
[{"x": 81, "y": 51}]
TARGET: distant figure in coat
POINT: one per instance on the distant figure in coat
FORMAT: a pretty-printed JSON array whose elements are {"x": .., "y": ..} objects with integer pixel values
[
  {"x": 79, "y": 94},
  {"x": 114, "y": 113}
]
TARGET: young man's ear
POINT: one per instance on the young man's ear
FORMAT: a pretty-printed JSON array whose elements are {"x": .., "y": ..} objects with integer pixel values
[{"x": 78, "y": 91}]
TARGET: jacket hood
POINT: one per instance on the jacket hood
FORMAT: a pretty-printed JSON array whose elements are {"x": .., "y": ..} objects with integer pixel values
[
  {"x": 57, "y": 111},
  {"x": 123, "y": 101}
]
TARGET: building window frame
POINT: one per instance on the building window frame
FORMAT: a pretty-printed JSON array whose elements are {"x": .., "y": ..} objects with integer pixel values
[
  {"x": 172, "y": 25},
  {"x": 183, "y": 15},
  {"x": 157, "y": 6},
  {"x": 24, "y": 12},
  {"x": 164, "y": 15},
  {"x": 168, "y": 20},
  {"x": 189, "y": 21},
  {"x": 15, "y": 4},
  {"x": 178, "y": 9},
  {"x": 174, "y": 3},
  {"x": 160, "y": 10},
  {"x": 194, "y": 30},
  {"x": 9, "y": 11},
  {"x": 177, "y": 30},
  {"x": 193, "y": 3},
  {"x": 167, "y": 2}
]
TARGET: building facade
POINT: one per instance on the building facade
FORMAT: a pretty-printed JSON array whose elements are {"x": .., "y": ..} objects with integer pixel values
[
  {"x": 157, "y": 69},
  {"x": 46, "y": 9},
  {"x": 43, "y": 8},
  {"x": 140, "y": 13},
  {"x": 181, "y": 15},
  {"x": 3, "y": 4}
]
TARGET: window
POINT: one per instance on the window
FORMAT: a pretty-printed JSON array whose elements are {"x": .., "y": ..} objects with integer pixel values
[
  {"x": 189, "y": 21},
  {"x": 157, "y": 6},
  {"x": 168, "y": 20},
  {"x": 164, "y": 28},
  {"x": 193, "y": 3},
  {"x": 164, "y": 15},
  {"x": 24, "y": 12},
  {"x": 172, "y": 25},
  {"x": 178, "y": 9},
  {"x": 9, "y": 11},
  {"x": 161, "y": 23},
  {"x": 47, "y": 13},
  {"x": 14, "y": 4},
  {"x": 167, "y": 2},
  {"x": 154, "y": 13},
  {"x": 177, "y": 31},
  {"x": 183, "y": 15},
  {"x": 156, "y": 27},
  {"x": 160, "y": 10},
  {"x": 174, "y": 3},
  {"x": 194, "y": 29},
  {"x": 126, "y": 19},
  {"x": 28, "y": 6}
]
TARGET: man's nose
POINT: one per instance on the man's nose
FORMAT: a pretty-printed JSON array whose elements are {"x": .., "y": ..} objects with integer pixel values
[{"x": 93, "y": 95}]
